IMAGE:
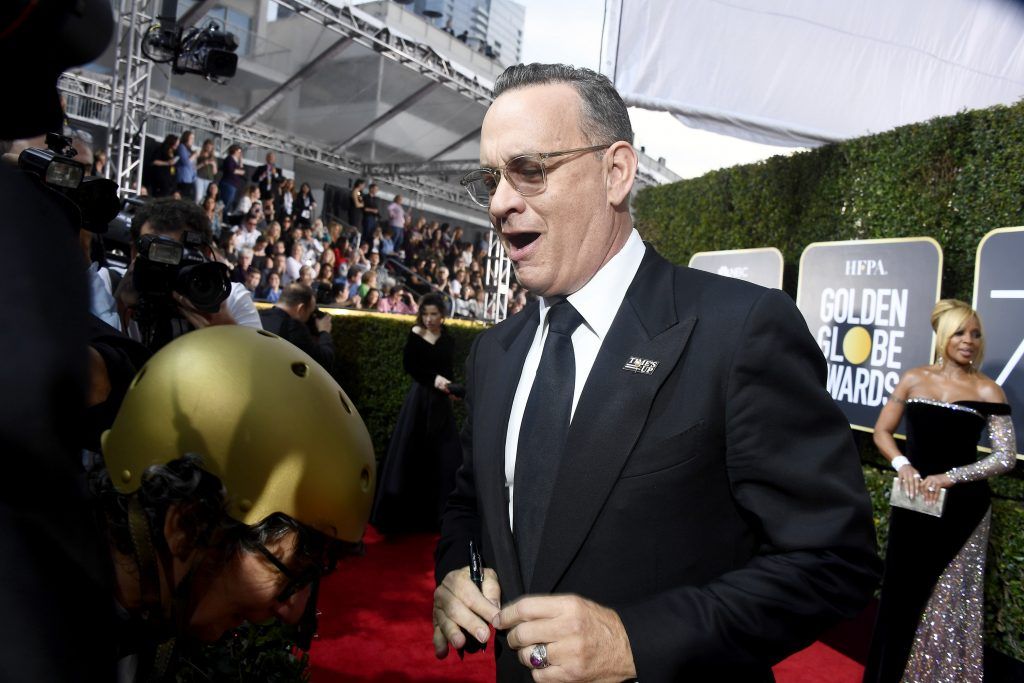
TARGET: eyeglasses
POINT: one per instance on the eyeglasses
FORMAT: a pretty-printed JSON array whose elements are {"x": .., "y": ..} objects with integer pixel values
[
  {"x": 526, "y": 173},
  {"x": 297, "y": 579}
]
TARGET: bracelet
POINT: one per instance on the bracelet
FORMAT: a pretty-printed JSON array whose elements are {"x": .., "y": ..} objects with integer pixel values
[{"x": 899, "y": 461}]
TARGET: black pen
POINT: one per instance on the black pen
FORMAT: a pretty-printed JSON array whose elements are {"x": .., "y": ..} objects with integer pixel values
[
  {"x": 476, "y": 572},
  {"x": 476, "y": 575}
]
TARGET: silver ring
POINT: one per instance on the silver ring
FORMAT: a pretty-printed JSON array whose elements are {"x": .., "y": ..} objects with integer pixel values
[
  {"x": 931, "y": 488},
  {"x": 539, "y": 656},
  {"x": 917, "y": 475}
]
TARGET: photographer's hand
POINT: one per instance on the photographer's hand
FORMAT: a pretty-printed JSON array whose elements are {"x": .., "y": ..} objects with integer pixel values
[
  {"x": 198, "y": 319},
  {"x": 324, "y": 324}
]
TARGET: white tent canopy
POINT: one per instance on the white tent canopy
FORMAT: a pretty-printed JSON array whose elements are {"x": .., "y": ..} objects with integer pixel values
[{"x": 806, "y": 72}]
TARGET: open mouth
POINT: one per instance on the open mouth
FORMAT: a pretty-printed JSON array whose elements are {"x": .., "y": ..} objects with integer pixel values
[{"x": 521, "y": 240}]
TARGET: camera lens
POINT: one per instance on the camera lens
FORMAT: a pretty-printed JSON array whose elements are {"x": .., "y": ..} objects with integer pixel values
[{"x": 206, "y": 285}]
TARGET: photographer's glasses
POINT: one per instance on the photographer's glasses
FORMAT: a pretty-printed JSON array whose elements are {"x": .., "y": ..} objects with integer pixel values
[
  {"x": 526, "y": 173},
  {"x": 297, "y": 579}
]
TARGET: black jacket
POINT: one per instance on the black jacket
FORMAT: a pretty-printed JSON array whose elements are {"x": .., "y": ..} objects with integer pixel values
[{"x": 321, "y": 349}]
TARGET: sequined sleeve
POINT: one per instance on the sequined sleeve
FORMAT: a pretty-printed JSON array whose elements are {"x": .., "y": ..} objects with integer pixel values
[{"x": 1004, "y": 453}]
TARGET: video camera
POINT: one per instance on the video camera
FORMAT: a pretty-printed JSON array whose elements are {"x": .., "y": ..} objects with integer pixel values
[
  {"x": 94, "y": 199},
  {"x": 208, "y": 52}
]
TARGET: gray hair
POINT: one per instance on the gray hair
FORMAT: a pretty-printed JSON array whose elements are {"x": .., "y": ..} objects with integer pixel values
[{"x": 603, "y": 114}]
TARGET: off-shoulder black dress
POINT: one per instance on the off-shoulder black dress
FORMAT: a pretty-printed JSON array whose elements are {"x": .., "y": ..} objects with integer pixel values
[{"x": 419, "y": 471}]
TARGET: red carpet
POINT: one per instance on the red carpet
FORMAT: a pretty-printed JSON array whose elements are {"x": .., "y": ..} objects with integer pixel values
[{"x": 375, "y": 626}]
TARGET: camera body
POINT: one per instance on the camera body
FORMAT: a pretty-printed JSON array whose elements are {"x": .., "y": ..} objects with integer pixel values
[
  {"x": 94, "y": 200},
  {"x": 165, "y": 266}
]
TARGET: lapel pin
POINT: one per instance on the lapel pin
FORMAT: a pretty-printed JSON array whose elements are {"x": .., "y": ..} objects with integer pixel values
[{"x": 640, "y": 365}]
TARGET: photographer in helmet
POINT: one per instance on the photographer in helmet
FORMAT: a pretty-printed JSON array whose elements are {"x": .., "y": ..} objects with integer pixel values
[
  {"x": 177, "y": 257},
  {"x": 212, "y": 512}
]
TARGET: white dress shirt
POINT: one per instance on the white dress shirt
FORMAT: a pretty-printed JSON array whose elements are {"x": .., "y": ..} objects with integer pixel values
[{"x": 598, "y": 302}]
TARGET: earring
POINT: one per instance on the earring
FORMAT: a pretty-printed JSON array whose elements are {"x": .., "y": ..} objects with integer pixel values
[{"x": 941, "y": 359}]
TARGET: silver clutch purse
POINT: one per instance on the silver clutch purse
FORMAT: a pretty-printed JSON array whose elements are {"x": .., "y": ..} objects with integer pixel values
[{"x": 901, "y": 500}]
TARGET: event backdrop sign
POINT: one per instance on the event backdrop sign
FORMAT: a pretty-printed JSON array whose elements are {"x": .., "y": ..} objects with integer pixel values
[
  {"x": 999, "y": 300},
  {"x": 868, "y": 304},
  {"x": 761, "y": 266}
]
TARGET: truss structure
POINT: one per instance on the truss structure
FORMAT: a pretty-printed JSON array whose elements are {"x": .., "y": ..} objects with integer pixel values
[
  {"x": 497, "y": 276},
  {"x": 129, "y": 96},
  {"x": 352, "y": 24}
]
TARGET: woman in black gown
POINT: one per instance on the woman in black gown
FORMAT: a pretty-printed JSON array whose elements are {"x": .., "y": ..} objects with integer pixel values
[
  {"x": 929, "y": 625},
  {"x": 419, "y": 471}
]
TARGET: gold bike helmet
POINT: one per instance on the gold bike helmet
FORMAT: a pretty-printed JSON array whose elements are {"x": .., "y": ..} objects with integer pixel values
[{"x": 265, "y": 418}]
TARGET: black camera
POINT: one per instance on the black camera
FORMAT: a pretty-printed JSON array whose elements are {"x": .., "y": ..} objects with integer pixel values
[
  {"x": 165, "y": 266},
  {"x": 93, "y": 200}
]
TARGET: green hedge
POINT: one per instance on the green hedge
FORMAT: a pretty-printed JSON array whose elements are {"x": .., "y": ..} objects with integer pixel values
[
  {"x": 368, "y": 365},
  {"x": 953, "y": 178}
]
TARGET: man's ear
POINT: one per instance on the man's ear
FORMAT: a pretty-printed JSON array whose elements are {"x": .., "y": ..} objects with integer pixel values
[
  {"x": 620, "y": 165},
  {"x": 176, "y": 532}
]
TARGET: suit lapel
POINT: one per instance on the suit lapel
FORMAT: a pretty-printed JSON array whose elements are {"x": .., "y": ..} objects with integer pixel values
[
  {"x": 611, "y": 413},
  {"x": 489, "y": 461}
]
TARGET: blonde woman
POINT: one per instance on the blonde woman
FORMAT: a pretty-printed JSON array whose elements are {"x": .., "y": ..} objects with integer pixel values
[{"x": 929, "y": 625}]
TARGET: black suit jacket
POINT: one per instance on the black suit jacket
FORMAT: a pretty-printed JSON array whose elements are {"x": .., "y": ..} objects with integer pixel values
[
  {"x": 320, "y": 348},
  {"x": 717, "y": 503}
]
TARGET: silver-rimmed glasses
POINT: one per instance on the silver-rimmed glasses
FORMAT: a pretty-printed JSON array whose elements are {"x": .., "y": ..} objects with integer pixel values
[{"x": 526, "y": 173}]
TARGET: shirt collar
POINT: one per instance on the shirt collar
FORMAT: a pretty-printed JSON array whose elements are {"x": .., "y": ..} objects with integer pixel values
[{"x": 598, "y": 301}]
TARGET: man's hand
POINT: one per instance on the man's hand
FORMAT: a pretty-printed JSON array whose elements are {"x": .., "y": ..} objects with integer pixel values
[
  {"x": 585, "y": 641},
  {"x": 458, "y": 604},
  {"x": 323, "y": 324},
  {"x": 199, "y": 319}
]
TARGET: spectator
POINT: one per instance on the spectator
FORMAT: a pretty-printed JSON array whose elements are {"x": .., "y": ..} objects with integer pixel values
[
  {"x": 241, "y": 270},
  {"x": 206, "y": 168},
  {"x": 252, "y": 279},
  {"x": 304, "y": 206},
  {"x": 271, "y": 291},
  {"x": 99, "y": 163},
  {"x": 371, "y": 300},
  {"x": 356, "y": 204},
  {"x": 162, "y": 168},
  {"x": 250, "y": 198},
  {"x": 387, "y": 243},
  {"x": 185, "y": 166},
  {"x": 289, "y": 319},
  {"x": 248, "y": 232},
  {"x": 212, "y": 212},
  {"x": 371, "y": 211},
  {"x": 306, "y": 275},
  {"x": 396, "y": 218},
  {"x": 294, "y": 263},
  {"x": 268, "y": 177},
  {"x": 398, "y": 300},
  {"x": 284, "y": 199},
  {"x": 233, "y": 177}
]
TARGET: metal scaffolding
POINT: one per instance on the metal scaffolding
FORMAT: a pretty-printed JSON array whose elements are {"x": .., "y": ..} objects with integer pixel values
[
  {"x": 129, "y": 96},
  {"x": 497, "y": 276}
]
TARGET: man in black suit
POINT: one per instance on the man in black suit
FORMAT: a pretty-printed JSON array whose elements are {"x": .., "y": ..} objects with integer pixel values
[
  {"x": 290, "y": 319},
  {"x": 703, "y": 514},
  {"x": 268, "y": 176}
]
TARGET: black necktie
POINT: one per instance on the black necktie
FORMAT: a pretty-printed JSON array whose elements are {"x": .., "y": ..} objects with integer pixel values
[{"x": 542, "y": 433}]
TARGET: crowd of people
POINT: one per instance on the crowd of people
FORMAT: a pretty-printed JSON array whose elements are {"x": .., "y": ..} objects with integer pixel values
[{"x": 378, "y": 257}]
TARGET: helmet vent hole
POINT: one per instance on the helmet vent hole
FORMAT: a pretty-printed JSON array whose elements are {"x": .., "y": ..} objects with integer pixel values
[
  {"x": 138, "y": 377},
  {"x": 300, "y": 369},
  {"x": 364, "y": 479},
  {"x": 267, "y": 334},
  {"x": 344, "y": 403}
]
